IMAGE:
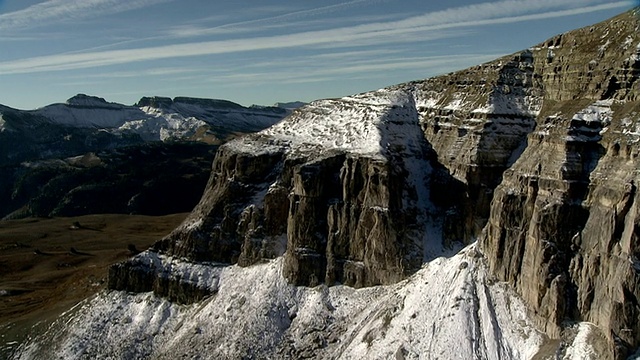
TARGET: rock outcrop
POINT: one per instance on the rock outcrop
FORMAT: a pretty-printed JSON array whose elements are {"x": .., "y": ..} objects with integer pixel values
[
  {"x": 176, "y": 282},
  {"x": 337, "y": 185},
  {"x": 535, "y": 155}
]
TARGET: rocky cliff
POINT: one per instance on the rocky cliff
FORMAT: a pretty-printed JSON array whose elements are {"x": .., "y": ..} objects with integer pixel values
[
  {"x": 563, "y": 222},
  {"x": 533, "y": 155},
  {"x": 339, "y": 185}
]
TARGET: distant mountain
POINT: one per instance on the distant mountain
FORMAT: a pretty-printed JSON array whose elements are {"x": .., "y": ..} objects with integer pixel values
[
  {"x": 290, "y": 105},
  {"x": 151, "y": 179},
  {"x": 88, "y": 123},
  {"x": 29, "y": 136},
  {"x": 40, "y": 174},
  {"x": 160, "y": 118}
]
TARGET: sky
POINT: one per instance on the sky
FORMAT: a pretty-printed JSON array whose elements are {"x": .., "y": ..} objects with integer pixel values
[{"x": 261, "y": 52}]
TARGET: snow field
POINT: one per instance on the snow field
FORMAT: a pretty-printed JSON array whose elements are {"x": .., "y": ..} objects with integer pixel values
[{"x": 448, "y": 309}]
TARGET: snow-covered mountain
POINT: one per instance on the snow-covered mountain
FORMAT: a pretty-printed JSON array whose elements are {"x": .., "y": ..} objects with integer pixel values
[
  {"x": 87, "y": 123},
  {"x": 490, "y": 213},
  {"x": 161, "y": 119}
]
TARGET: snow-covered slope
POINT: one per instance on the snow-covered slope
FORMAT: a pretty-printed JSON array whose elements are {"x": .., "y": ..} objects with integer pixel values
[
  {"x": 355, "y": 124},
  {"x": 449, "y": 309}
]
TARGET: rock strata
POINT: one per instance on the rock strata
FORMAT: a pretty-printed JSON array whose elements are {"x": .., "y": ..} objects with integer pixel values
[
  {"x": 150, "y": 272},
  {"x": 562, "y": 228}
]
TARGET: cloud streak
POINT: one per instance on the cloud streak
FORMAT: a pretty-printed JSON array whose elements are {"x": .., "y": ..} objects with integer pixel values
[
  {"x": 282, "y": 20},
  {"x": 351, "y": 69},
  {"x": 56, "y": 10},
  {"x": 430, "y": 26}
]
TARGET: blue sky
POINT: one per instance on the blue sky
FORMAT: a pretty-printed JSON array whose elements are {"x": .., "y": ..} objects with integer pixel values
[{"x": 260, "y": 52}]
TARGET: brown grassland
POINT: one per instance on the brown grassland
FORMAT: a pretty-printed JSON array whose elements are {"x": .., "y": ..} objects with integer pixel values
[{"x": 49, "y": 265}]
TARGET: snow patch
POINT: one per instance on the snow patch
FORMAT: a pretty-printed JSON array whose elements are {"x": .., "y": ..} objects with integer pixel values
[
  {"x": 581, "y": 348},
  {"x": 162, "y": 126},
  {"x": 599, "y": 111},
  {"x": 631, "y": 128},
  {"x": 628, "y": 41},
  {"x": 604, "y": 46},
  {"x": 511, "y": 104},
  {"x": 355, "y": 124}
]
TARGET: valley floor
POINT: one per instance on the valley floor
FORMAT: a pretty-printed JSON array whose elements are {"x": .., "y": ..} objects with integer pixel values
[{"x": 41, "y": 276}]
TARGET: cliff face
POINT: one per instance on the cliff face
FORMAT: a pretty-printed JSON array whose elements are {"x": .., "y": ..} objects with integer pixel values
[
  {"x": 534, "y": 155},
  {"x": 563, "y": 225},
  {"x": 336, "y": 185},
  {"x": 477, "y": 121}
]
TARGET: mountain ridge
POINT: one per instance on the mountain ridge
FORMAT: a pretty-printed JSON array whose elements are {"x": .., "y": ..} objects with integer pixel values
[{"x": 41, "y": 175}]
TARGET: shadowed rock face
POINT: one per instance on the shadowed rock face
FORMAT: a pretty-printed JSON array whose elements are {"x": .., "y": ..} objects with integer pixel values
[
  {"x": 534, "y": 155},
  {"x": 477, "y": 121}
]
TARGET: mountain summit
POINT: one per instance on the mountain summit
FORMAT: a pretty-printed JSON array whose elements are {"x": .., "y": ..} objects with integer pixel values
[{"x": 490, "y": 213}]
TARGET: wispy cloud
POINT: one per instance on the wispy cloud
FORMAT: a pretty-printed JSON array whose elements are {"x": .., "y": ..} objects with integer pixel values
[
  {"x": 429, "y": 26},
  {"x": 196, "y": 29},
  {"x": 294, "y": 15},
  {"x": 56, "y": 10},
  {"x": 351, "y": 70},
  {"x": 160, "y": 72},
  {"x": 290, "y": 19}
]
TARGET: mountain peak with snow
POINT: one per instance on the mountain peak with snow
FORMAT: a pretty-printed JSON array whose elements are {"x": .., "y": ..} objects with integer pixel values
[{"x": 161, "y": 119}]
